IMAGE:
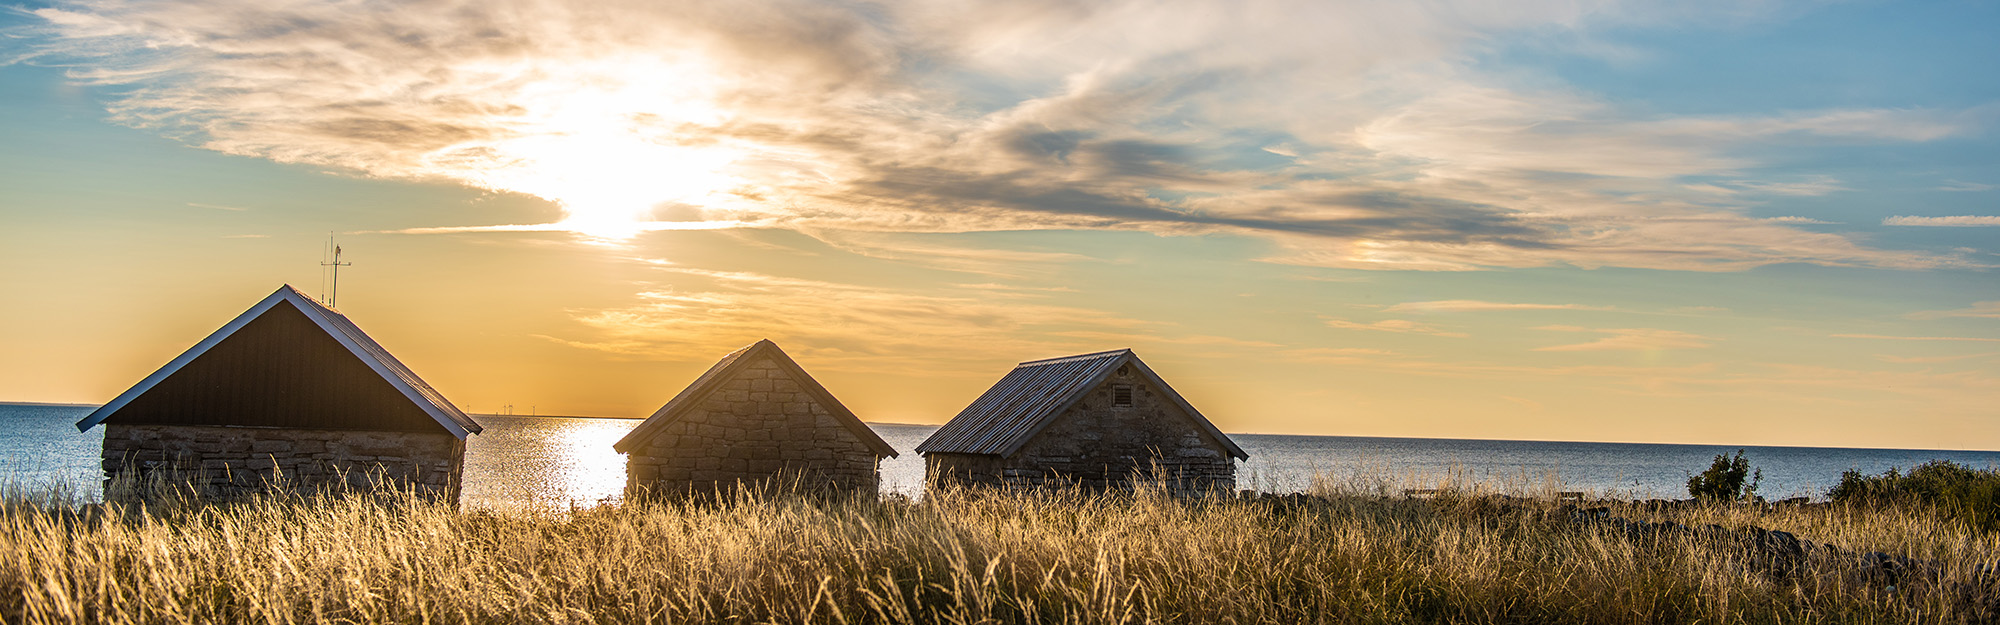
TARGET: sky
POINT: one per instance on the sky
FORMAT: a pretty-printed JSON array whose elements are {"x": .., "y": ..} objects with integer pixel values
[{"x": 1755, "y": 223}]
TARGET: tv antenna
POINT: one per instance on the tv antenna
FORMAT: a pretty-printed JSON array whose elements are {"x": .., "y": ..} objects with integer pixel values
[{"x": 332, "y": 294}]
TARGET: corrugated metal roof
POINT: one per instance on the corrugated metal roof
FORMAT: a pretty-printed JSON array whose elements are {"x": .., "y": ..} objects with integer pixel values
[
  {"x": 1033, "y": 394},
  {"x": 722, "y": 370},
  {"x": 342, "y": 330}
]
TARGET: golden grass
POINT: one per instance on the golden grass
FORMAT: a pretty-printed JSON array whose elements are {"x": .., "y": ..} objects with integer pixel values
[{"x": 955, "y": 557}]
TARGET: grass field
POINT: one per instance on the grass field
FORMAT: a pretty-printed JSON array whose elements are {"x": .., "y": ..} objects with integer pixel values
[{"x": 1347, "y": 556}]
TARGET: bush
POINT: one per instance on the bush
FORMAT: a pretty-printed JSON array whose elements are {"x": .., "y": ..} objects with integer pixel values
[
  {"x": 1724, "y": 480},
  {"x": 1963, "y": 493}
]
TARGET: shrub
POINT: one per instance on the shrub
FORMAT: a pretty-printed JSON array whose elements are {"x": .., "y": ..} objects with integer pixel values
[
  {"x": 1724, "y": 480},
  {"x": 1959, "y": 492}
]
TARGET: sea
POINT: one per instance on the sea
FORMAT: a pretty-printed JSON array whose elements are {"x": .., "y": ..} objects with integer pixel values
[{"x": 567, "y": 462}]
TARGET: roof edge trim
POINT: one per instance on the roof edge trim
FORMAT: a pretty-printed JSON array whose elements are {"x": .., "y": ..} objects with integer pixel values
[
  {"x": 160, "y": 375},
  {"x": 318, "y": 318},
  {"x": 1199, "y": 418}
]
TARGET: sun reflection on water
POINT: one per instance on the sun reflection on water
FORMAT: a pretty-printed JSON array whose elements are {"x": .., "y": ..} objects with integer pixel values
[{"x": 551, "y": 463}]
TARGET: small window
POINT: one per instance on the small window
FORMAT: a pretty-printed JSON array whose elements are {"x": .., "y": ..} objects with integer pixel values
[
  {"x": 1121, "y": 396},
  {"x": 1124, "y": 370}
]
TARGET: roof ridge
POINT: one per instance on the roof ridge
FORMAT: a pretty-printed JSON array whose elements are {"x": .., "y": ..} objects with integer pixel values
[
  {"x": 312, "y": 300},
  {"x": 1075, "y": 358}
]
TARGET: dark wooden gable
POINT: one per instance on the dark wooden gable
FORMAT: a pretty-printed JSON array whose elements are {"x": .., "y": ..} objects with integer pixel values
[{"x": 278, "y": 370}]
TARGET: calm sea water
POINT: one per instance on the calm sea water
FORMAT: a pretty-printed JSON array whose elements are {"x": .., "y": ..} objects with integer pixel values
[{"x": 558, "y": 462}]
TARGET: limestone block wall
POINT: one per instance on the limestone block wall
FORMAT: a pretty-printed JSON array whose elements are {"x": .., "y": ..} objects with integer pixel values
[
  {"x": 758, "y": 425},
  {"x": 231, "y": 460},
  {"x": 1098, "y": 446}
]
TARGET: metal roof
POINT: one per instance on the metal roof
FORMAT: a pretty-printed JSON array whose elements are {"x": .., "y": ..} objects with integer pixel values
[
  {"x": 725, "y": 369},
  {"x": 342, "y": 330},
  {"x": 1031, "y": 396}
]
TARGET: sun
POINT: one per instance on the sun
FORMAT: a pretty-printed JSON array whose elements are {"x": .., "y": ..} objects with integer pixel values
[
  {"x": 610, "y": 140},
  {"x": 608, "y": 183}
]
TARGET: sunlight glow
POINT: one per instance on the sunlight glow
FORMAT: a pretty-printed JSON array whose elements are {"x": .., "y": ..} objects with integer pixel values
[{"x": 610, "y": 140}]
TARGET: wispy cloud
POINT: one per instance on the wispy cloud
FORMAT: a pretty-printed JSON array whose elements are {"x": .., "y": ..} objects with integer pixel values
[
  {"x": 1392, "y": 325},
  {"x": 860, "y": 327},
  {"x": 1954, "y": 185},
  {"x": 649, "y": 226},
  {"x": 1640, "y": 339},
  {"x": 1348, "y": 134},
  {"x": 940, "y": 255},
  {"x": 1338, "y": 355},
  {"x": 1950, "y": 221},
  {"x": 1810, "y": 186},
  {"x": 1467, "y": 305},
  {"x": 1972, "y": 339},
  {"x": 217, "y": 207},
  {"x": 1931, "y": 360},
  {"x": 1982, "y": 310}
]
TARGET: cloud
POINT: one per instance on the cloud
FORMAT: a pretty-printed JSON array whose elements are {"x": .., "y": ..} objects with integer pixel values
[
  {"x": 1970, "y": 339},
  {"x": 1337, "y": 355},
  {"x": 217, "y": 207},
  {"x": 1954, "y": 185},
  {"x": 1392, "y": 325},
  {"x": 892, "y": 329},
  {"x": 1929, "y": 360},
  {"x": 1641, "y": 339},
  {"x": 1467, "y": 305},
  {"x": 1982, "y": 310},
  {"x": 1951, "y": 221},
  {"x": 938, "y": 255},
  {"x": 1353, "y": 135},
  {"x": 644, "y": 226},
  {"x": 1809, "y": 187}
]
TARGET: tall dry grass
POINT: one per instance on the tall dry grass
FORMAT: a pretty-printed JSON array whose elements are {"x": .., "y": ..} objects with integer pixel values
[{"x": 956, "y": 557}]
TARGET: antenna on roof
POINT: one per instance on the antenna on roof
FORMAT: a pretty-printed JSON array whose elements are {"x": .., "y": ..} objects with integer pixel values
[{"x": 332, "y": 294}]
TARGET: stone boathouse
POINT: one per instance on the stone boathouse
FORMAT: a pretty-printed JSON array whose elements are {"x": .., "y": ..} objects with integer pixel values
[
  {"x": 289, "y": 389},
  {"x": 753, "y": 416},
  {"x": 1098, "y": 421}
]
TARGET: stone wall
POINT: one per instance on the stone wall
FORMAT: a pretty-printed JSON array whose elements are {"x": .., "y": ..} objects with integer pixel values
[
  {"x": 755, "y": 426},
  {"x": 233, "y": 460},
  {"x": 1098, "y": 446}
]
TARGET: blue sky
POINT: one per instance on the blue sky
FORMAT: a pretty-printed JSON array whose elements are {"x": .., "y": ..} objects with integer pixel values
[{"x": 1768, "y": 223}]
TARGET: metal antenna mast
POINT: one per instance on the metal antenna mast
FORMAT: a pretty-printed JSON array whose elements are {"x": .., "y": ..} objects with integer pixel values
[{"x": 334, "y": 295}]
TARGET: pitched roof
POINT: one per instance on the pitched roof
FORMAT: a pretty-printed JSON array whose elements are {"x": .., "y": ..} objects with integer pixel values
[
  {"x": 727, "y": 368},
  {"x": 1031, "y": 396},
  {"x": 335, "y": 325}
]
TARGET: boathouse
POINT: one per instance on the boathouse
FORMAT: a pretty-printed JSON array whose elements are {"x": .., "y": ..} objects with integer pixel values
[
  {"x": 753, "y": 416},
  {"x": 289, "y": 389},
  {"x": 1098, "y": 421}
]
